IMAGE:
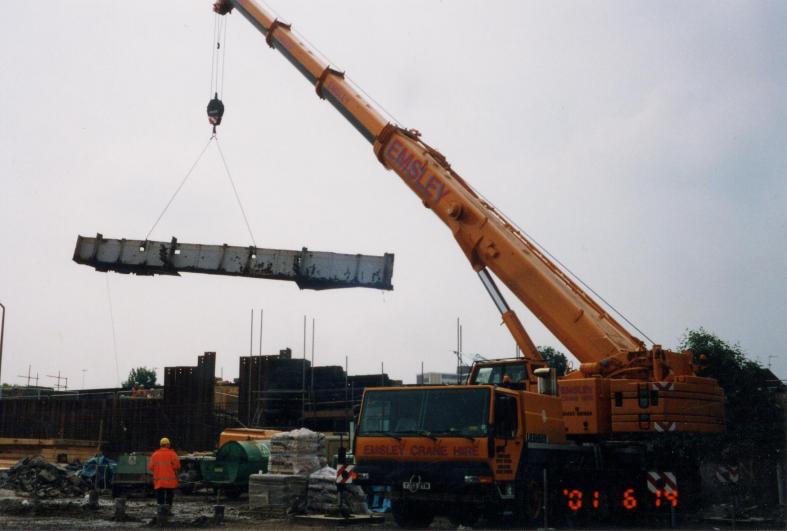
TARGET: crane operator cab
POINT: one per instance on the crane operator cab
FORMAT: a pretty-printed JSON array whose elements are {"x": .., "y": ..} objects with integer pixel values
[{"x": 511, "y": 373}]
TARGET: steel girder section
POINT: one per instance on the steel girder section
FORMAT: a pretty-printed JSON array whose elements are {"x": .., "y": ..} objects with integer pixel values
[{"x": 308, "y": 269}]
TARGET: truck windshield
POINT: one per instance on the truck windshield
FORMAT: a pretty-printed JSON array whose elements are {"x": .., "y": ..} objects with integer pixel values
[{"x": 444, "y": 412}]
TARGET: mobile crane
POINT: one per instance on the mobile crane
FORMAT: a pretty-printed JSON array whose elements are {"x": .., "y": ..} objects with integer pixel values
[{"x": 493, "y": 446}]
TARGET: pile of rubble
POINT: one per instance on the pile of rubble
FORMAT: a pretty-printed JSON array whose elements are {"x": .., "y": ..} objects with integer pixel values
[{"x": 38, "y": 477}]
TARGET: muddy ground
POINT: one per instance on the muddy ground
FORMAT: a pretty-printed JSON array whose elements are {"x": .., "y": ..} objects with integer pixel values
[
  {"x": 189, "y": 512},
  {"x": 196, "y": 511}
]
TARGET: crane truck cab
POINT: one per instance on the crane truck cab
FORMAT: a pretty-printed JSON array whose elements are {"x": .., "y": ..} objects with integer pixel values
[
  {"x": 463, "y": 451},
  {"x": 488, "y": 451}
]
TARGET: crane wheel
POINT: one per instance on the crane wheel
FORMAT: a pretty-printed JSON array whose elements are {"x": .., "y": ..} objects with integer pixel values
[{"x": 530, "y": 502}]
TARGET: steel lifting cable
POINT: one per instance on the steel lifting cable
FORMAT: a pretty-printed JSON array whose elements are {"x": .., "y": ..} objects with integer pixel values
[
  {"x": 235, "y": 190},
  {"x": 180, "y": 186},
  {"x": 188, "y": 174},
  {"x": 225, "y": 21},
  {"x": 535, "y": 242},
  {"x": 215, "y": 112},
  {"x": 213, "y": 45},
  {"x": 329, "y": 62},
  {"x": 218, "y": 49},
  {"x": 114, "y": 335},
  {"x": 565, "y": 268},
  {"x": 215, "y": 105},
  {"x": 214, "y": 75}
]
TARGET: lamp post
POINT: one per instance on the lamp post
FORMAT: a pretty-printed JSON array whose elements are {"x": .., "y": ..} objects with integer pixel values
[{"x": 2, "y": 331}]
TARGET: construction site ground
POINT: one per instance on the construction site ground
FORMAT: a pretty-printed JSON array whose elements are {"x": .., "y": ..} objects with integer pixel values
[
  {"x": 195, "y": 512},
  {"x": 189, "y": 512}
]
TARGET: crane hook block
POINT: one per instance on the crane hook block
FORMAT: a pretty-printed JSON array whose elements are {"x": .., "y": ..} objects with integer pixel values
[{"x": 215, "y": 110}]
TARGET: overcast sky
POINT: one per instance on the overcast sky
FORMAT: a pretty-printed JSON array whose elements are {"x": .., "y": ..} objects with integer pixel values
[{"x": 644, "y": 144}]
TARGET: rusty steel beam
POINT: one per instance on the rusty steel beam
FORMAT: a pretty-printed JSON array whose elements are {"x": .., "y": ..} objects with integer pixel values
[{"x": 308, "y": 269}]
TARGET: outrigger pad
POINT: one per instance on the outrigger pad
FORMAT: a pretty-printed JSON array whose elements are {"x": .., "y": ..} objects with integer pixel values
[{"x": 308, "y": 269}]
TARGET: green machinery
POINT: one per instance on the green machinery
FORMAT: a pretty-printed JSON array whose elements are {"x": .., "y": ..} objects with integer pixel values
[
  {"x": 131, "y": 475},
  {"x": 235, "y": 461}
]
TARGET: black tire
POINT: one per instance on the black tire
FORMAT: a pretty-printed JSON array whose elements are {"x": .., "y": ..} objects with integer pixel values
[
  {"x": 412, "y": 515},
  {"x": 530, "y": 502},
  {"x": 117, "y": 491}
]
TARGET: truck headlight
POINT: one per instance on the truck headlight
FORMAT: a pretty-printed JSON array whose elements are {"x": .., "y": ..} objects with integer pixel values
[
  {"x": 474, "y": 480},
  {"x": 363, "y": 476}
]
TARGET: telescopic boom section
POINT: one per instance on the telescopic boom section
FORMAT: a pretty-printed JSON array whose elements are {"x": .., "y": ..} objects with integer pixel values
[{"x": 487, "y": 238}]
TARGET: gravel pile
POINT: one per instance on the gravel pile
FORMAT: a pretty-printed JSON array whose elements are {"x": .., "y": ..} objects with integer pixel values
[{"x": 40, "y": 478}]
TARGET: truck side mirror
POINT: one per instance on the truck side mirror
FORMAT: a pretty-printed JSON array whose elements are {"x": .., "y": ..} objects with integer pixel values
[
  {"x": 547, "y": 381},
  {"x": 490, "y": 441}
]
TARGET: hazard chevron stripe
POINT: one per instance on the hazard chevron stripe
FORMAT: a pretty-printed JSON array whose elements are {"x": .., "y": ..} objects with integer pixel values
[
  {"x": 661, "y": 480},
  {"x": 653, "y": 478},
  {"x": 345, "y": 474}
]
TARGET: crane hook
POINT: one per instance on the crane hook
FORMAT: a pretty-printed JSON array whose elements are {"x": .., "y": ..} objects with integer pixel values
[{"x": 215, "y": 111}]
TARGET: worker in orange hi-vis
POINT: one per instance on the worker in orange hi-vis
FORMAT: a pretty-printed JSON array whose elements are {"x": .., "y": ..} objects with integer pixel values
[{"x": 164, "y": 464}]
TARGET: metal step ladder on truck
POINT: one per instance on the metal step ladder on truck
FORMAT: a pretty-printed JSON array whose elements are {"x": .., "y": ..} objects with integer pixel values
[{"x": 514, "y": 432}]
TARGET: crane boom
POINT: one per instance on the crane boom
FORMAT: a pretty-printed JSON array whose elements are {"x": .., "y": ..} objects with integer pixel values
[
  {"x": 486, "y": 237},
  {"x": 621, "y": 386}
]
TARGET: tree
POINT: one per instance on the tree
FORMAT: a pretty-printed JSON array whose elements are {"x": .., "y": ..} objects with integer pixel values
[
  {"x": 140, "y": 377},
  {"x": 555, "y": 359},
  {"x": 754, "y": 415}
]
